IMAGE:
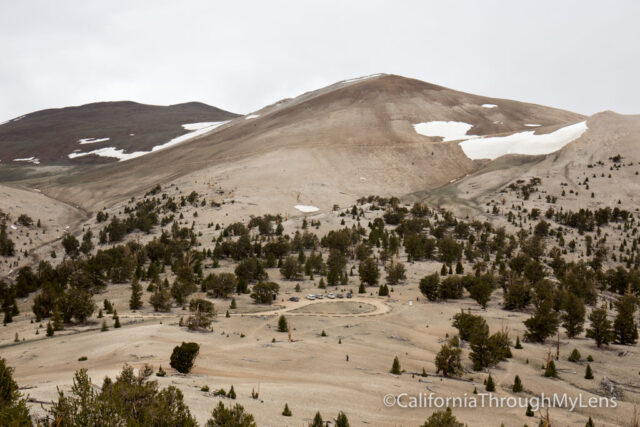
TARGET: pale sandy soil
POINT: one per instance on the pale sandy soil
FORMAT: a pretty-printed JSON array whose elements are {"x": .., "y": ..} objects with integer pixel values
[{"x": 311, "y": 373}]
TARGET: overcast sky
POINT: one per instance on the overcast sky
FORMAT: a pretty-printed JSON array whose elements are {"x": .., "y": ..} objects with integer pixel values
[{"x": 239, "y": 55}]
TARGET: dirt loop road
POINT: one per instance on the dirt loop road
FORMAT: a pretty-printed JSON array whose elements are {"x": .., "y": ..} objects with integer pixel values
[{"x": 380, "y": 307}]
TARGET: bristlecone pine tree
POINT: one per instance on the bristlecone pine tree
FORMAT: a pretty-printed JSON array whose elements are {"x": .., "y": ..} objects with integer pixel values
[
  {"x": 517, "y": 385},
  {"x": 341, "y": 420},
  {"x": 286, "y": 411},
  {"x": 135, "y": 302},
  {"x": 573, "y": 316},
  {"x": 490, "y": 386},
  {"x": 529, "y": 411},
  {"x": 49, "y": 329},
  {"x": 588, "y": 373},
  {"x": 624, "y": 326},
  {"x": 395, "y": 368},
  {"x": 282, "y": 324},
  {"x": 442, "y": 418},
  {"x": 575, "y": 356},
  {"x": 551, "y": 371},
  {"x": 518, "y": 346},
  {"x": 317, "y": 421},
  {"x": 448, "y": 360},
  {"x": 600, "y": 329}
]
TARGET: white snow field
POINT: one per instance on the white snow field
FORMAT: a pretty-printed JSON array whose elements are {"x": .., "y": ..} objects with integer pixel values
[
  {"x": 252, "y": 116},
  {"x": 522, "y": 142},
  {"x": 361, "y": 78},
  {"x": 531, "y": 125},
  {"x": 306, "y": 208},
  {"x": 118, "y": 153},
  {"x": 449, "y": 131},
  {"x": 489, "y": 105},
  {"x": 92, "y": 140},
  {"x": 33, "y": 160}
]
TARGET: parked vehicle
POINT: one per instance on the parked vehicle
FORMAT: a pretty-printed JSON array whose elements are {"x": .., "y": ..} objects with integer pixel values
[
  {"x": 311, "y": 297},
  {"x": 349, "y": 295},
  {"x": 319, "y": 296},
  {"x": 340, "y": 295},
  {"x": 331, "y": 295},
  {"x": 294, "y": 299}
]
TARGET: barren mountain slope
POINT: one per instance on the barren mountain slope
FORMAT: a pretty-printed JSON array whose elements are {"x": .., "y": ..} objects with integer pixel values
[
  {"x": 589, "y": 157},
  {"x": 49, "y": 136},
  {"x": 327, "y": 139}
]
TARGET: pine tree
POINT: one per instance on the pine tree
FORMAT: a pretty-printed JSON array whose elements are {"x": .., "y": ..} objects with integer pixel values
[
  {"x": 116, "y": 323},
  {"x": 600, "y": 330},
  {"x": 544, "y": 322},
  {"x": 589, "y": 423},
  {"x": 625, "y": 326},
  {"x": 232, "y": 393},
  {"x": 233, "y": 304},
  {"x": 575, "y": 356},
  {"x": 104, "y": 327},
  {"x": 518, "y": 346},
  {"x": 341, "y": 420},
  {"x": 529, "y": 411},
  {"x": 573, "y": 316},
  {"x": 395, "y": 368},
  {"x": 286, "y": 412},
  {"x": 448, "y": 360},
  {"x": 49, "y": 329},
  {"x": 161, "y": 372},
  {"x": 282, "y": 324},
  {"x": 588, "y": 373},
  {"x": 58, "y": 322},
  {"x": 490, "y": 386},
  {"x": 517, "y": 385},
  {"x": 444, "y": 270},
  {"x": 317, "y": 420},
  {"x": 550, "y": 371},
  {"x": 361, "y": 289},
  {"x": 135, "y": 302}
]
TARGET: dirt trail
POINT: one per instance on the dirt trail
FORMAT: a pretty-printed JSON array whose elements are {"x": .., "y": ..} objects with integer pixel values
[{"x": 380, "y": 308}]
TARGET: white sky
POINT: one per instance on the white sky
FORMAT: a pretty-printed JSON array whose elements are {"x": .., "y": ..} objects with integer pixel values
[{"x": 241, "y": 55}]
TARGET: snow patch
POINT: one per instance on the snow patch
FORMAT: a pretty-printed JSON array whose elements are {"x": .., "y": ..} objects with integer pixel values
[
  {"x": 252, "y": 116},
  {"x": 306, "y": 208},
  {"x": 13, "y": 227},
  {"x": 118, "y": 153},
  {"x": 198, "y": 126},
  {"x": 33, "y": 160},
  {"x": 12, "y": 120},
  {"x": 370, "y": 76},
  {"x": 522, "y": 143},
  {"x": 532, "y": 125},
  {"x": 489, "y": 105},
  {"x": 92, "y": 140},
  {"x": 449, "y": 131}
]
